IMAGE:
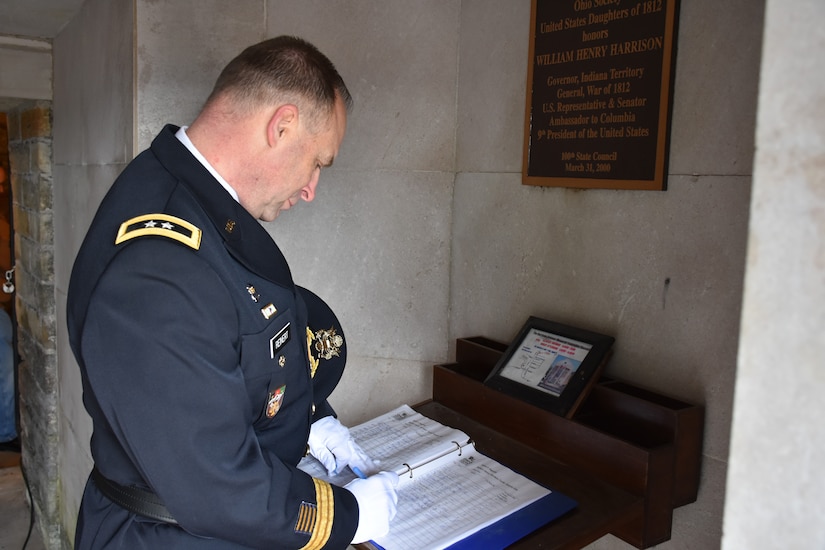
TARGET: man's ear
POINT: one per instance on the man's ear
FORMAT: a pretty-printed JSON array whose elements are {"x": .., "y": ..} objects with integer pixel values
[{"x": 283, "y": 121}]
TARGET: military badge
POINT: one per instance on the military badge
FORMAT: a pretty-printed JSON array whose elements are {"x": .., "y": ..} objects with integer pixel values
[
  {"x": 268, "y": 311},
  {"x": 273, "y": 403},
  {"x": 253, "y": 293},
  {"x": 327, "y": 345},
  {"x": 307, "y": 515}
]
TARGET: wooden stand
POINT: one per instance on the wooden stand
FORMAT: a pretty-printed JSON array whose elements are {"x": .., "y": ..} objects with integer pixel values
[{"x": 629, "y": 456}]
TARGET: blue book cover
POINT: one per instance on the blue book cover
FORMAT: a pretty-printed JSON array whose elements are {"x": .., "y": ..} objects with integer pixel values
[
  {"x": 514, "y": 527},
  {"x": 519, "y": 524}
]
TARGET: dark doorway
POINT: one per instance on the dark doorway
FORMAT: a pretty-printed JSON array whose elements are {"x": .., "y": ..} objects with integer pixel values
[
  {"x": 6, "y": 232},
  {"x": 9, "y": 411}
]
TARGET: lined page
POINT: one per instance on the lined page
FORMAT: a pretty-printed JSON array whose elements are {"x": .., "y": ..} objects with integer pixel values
[
  {"x": 397, "y": 439},
  {"x": 441, "y": 505},
  {"x": 451, "y": 492}
]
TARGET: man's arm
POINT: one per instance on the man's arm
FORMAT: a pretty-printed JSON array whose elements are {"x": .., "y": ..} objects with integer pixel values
[{"x": 160, "y": 345}]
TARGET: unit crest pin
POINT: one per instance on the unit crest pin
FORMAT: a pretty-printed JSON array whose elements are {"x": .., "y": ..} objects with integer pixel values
[
  {"x": 253, "y": 293},
  {"x": 274, "y": 401}
]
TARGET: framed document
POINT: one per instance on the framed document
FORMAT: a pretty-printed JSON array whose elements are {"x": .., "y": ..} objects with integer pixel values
[
  {"x": 599, "y": 93},
  {"x": 550, "y": 365}
]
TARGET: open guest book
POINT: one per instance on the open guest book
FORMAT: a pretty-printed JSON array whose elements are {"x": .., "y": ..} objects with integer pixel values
[{"x": 449, "y": 494}]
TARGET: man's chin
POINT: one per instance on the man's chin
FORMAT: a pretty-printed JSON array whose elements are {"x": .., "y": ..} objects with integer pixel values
[{"x": 270, "y": 216}]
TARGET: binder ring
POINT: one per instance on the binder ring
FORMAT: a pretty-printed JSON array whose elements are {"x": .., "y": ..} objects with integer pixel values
[
  {"x": 408, "y": 468},
  {"x": 457, "y": 444}
]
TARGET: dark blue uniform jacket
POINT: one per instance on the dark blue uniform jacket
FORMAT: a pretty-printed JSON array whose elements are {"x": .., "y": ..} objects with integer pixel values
[{"x": 197, "y": 370}]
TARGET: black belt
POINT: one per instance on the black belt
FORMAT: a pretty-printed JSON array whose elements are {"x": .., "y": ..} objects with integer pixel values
[{"x": 138, "y": 501}]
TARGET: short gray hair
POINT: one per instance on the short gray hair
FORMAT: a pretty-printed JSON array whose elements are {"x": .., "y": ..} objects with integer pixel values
[{"x": 282, "y": 68}]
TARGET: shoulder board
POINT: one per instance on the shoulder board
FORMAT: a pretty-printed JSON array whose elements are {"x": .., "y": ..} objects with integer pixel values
[{"x": 161, "y": 225}]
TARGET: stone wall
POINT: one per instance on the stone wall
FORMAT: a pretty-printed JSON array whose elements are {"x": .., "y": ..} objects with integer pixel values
[{"x": 30, "y": 148}]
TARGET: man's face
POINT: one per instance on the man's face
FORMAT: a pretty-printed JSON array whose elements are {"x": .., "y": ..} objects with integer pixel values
[{"x": 299, "y": 163}]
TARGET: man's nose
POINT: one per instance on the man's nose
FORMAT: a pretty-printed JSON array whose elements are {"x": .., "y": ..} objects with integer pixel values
[{"x": 308, "y": 192}]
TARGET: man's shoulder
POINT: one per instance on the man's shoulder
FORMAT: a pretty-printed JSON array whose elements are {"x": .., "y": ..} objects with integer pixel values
[{"x": 160, "y": 225}]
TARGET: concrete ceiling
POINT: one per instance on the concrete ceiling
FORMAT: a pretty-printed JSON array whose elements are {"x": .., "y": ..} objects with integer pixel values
[{"x": 36, "y": 18}]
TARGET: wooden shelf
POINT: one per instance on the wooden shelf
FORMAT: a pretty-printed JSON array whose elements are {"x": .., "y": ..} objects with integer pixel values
[
  {"x": 623, "y": 438},
  {"x": 602, "y": 507}
]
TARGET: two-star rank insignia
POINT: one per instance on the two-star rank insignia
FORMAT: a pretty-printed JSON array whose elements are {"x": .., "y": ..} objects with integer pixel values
[{"x": 161, "y": 225}]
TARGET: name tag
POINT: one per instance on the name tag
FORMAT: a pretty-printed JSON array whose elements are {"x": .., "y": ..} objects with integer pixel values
[{"x": 279, "y": 340}]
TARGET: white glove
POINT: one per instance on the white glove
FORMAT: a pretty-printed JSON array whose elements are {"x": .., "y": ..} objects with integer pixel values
[
  {"x": 377, "y": 500},
  {"x": 331, "y": 443}
]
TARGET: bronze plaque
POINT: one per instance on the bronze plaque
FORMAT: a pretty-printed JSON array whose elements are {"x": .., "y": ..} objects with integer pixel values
[{"x": 599, "y": 93}]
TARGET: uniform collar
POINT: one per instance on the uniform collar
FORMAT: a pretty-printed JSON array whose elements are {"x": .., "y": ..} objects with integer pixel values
[
  {"x": 243, "y": 235},
  {"x": 184, "y": 138}
]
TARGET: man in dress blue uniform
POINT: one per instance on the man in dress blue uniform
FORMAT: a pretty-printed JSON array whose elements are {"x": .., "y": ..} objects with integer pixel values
[{"x": 205, "y": 369}]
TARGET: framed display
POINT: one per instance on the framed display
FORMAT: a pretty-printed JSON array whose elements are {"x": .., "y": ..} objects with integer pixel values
[
  {"x": 599, "y": 93},
  {"x": 551, "y": 365}
]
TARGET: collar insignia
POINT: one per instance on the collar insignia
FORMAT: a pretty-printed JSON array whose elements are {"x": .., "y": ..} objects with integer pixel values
[{"x": 253, "y": 293}]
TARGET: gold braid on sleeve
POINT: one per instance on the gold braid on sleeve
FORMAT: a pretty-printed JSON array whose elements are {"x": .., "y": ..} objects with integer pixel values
[{"x": 323, "y": 516}]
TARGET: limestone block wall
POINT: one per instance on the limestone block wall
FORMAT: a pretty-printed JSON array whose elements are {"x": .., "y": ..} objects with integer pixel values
[{"x": 30, "y": 148}]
